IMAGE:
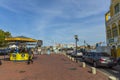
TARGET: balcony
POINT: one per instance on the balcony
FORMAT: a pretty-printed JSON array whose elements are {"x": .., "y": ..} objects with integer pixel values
[{"x": 113, "y": 19}]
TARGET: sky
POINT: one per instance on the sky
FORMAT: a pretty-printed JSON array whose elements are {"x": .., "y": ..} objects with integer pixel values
[{"x": 55, "y": 21}]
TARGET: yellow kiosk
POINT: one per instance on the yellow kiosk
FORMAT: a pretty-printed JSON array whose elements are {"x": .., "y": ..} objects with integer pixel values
[{"x": 18, "y": 52}]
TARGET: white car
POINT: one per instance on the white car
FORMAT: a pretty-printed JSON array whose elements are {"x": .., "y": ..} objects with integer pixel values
[{"x": 79, "y": 54}]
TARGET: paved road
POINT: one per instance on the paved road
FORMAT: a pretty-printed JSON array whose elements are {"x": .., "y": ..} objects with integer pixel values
[{"x": 47, "y": 67}]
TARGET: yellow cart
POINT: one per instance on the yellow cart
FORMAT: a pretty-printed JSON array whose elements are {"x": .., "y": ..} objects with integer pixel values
[{"x": 19, "y": 56}]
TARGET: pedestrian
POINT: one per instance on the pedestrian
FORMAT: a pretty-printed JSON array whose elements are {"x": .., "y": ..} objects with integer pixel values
[
  {"x": 30, "y": 58},
  {"x": 39, "y": 51},
  {"x": 0, "y": 62},
  {"x": 48, "y": 51}
]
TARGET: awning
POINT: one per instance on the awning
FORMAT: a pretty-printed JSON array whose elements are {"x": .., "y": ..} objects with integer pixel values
[{"x": 20, "y": 39}]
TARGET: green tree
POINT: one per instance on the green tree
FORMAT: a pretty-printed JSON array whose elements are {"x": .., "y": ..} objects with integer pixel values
[
  {"x": 7, "y": 34},
  {"x": 4, "y": 35}
]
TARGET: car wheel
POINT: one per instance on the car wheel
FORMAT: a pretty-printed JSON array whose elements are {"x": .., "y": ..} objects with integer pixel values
[{"x": 94, "y": 64}]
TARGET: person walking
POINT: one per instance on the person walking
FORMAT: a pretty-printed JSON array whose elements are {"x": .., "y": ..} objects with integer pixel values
[{"x": 31, "y": 55}]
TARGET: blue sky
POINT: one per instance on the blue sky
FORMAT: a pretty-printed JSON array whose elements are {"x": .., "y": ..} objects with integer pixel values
[{"x": 55, "y": 20}]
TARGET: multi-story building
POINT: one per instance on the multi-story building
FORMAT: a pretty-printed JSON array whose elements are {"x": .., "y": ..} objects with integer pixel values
[{"x": 112, "y": 19}]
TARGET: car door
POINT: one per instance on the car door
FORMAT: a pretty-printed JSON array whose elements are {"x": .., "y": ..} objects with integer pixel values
[
  {"x": 91, "y": 57},
  {"x": 88, "y": 57},
  {"x": 85, "y": 57}
]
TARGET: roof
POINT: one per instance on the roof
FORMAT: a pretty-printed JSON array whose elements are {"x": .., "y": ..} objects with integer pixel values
[{"x": 20, "y": 39}]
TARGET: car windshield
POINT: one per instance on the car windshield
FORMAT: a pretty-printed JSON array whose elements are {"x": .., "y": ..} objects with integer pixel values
[
  {"x": 78, "y": 51},
  {"x": 103, "y": 54}
]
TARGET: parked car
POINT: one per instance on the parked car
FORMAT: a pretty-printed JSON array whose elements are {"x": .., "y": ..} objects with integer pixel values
[
  {"x": 100, "y": 59},
  {"x": 118, "y": 61},
  {"x": 79, "y": 54},
  {"x": 69, "y": 52}
]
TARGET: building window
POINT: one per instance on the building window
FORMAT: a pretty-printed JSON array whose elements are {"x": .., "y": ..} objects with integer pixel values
[
  {"x": 109, "y": 34},
  {"x": 117, "y": 8},
  {"x": 115, "y": 32}
]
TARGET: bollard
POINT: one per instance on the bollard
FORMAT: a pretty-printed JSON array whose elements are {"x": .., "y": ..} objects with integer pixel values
[
  {"x": 65, "y": 55},
  {"x": 93, "y": 70},
  {"x": 72, "y": 59},
  {"x": 69, "y": 57},
  {"x": 83, "y": 64},
  {"x": 112, "y": 78},
  {"x": 76, "y": 60}
]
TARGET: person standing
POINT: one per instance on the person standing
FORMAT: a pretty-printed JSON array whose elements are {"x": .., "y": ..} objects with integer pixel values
[
  {"x": 39, "y": 51},
  {"x": 48, "y": 51}
]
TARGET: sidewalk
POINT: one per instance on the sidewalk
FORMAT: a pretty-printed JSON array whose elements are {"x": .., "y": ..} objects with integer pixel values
[{"x": 47, "y": 67}]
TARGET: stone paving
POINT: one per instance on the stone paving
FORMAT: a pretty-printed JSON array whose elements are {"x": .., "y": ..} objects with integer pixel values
[{"x": 47, "y": 67}]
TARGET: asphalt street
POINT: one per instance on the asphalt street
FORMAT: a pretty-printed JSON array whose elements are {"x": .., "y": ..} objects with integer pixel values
[{"x": 115, "y": 71}]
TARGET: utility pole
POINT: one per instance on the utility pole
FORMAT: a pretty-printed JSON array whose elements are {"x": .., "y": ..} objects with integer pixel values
[
  {"x": 76, "y": 40},
  {"x": 84, "y": 44}
]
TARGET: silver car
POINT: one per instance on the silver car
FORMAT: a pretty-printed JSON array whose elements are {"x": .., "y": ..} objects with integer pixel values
[
  {"x": 100, "y": 59},
  {"x": 79, "y": 54}
]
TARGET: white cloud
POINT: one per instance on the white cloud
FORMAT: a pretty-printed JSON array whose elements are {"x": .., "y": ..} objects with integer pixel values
[
  {"x": 69, "y": 11},
  {"x": 92, "y": 34},
  {"x": 76, "y": 8}
]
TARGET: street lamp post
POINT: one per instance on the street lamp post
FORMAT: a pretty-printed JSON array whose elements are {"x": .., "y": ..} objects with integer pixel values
[{"x": 76, "y": 40}]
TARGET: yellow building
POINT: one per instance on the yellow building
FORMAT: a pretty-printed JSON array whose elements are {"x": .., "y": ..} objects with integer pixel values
[{"x": 112, "y": 19}]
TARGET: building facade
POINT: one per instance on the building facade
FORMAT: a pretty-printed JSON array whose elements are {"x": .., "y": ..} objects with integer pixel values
[{"x": 112, "y": 21}]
